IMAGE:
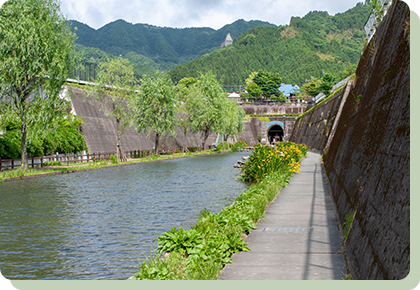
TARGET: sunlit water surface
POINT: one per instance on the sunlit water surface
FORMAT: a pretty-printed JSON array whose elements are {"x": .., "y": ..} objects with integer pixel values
[{"x": 101, "y": 224}]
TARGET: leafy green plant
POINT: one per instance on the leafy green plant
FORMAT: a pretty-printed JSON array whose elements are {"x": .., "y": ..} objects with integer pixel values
[
  {"x": 192, "y": 149},
  {"x": 113, "y": 159},
  {"x": 241, "y": 145},
  {"x": 16, "y": 172},
  {"x": 265, "y": 160},
  {"x": 53, "y": 163},
  {"x": 347, "y": 224},
  {"x": 181, "y": 241},
  {"x": 377, "y": 9},
  {"x": 158, "y": 268},
  {"x": 220, "y": 146},
  {"x": 65, "y": 137}
]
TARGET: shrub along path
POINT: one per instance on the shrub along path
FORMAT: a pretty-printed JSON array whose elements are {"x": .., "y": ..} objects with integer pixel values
[{"x": 298, "y": 239}]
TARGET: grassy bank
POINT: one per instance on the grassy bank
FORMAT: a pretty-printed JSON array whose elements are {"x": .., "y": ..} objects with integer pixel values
[
  {"x": 201, "y": 252},
  {"x": 21, "y": 173}
]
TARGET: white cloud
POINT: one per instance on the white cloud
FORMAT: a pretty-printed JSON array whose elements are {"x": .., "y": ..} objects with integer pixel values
[{"x": 199, "y": 13}]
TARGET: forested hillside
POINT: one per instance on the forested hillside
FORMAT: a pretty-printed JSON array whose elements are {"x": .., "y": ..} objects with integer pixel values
[
  {"x": 307, "y": 47},
  {"x": 149, "y": 47},
  {"x": 93, "y": 56}
]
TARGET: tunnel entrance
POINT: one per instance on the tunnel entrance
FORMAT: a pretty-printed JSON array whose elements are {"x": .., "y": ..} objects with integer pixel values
[{"x": 275, "y": 134}]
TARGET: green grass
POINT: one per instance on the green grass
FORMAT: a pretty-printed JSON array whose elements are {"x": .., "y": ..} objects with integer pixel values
[
  {"x": 266, "y": 117},
  {"x": 275, "y": 115},
  {"x": 20, "y": 172},
  {"x": 347, "y": 224}
]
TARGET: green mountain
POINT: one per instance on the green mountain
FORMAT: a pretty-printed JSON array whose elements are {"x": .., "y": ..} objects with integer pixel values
[
  {"x": 305, "y": 48},
  {"x": 150, "y": 47},
  {"x": 93, "y": 56}
]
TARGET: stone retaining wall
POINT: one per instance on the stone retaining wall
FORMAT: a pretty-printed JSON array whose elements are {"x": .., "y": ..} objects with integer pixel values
[
  {"x": 315, "y": 127},
  {"x": 368, "y": 158}
]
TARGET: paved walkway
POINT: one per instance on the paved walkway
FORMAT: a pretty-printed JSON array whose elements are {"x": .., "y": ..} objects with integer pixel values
[{"x": 298, "y": 239}]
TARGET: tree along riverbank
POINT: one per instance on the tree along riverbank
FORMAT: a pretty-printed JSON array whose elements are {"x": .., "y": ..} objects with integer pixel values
[
  {"x": 201, "y": 252},
  {"x": 21, "y": 173}
]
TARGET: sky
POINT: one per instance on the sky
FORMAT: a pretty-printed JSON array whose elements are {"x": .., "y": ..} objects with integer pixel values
[{"x": 197, "y": 13}]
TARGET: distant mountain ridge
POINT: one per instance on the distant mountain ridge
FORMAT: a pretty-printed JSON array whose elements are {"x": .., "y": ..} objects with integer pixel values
[
  {"x": 308, "y": 47},
  {"x": 164, "y": 46}
]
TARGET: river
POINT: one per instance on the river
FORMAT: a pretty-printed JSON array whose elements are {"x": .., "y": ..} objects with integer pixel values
[{"x": 102, "y": 223}]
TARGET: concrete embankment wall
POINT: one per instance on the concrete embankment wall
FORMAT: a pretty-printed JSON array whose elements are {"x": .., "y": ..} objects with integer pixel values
[
  {"x": 274, "y": 109},
  {"x": 368, "y": 158},
  {"x": 100, "y": 134},
  {"x": 255, "y": 127}
]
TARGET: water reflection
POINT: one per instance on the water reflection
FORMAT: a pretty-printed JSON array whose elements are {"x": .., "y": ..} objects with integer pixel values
[{"x": 99, "y": 224}]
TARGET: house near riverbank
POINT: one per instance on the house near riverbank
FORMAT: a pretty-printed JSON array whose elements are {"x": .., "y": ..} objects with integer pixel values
[
  {"x": 235, "y": 96},
  {"x": 290, "y": 91}
]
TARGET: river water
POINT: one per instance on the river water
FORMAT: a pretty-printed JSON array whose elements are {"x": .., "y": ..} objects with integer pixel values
[{"x": 101, "y": 224}]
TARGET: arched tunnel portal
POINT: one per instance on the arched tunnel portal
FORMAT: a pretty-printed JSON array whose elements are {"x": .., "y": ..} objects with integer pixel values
[{"x": 275, "y": 134}]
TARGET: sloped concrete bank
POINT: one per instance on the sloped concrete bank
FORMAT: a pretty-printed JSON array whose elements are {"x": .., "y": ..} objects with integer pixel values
[
  {"x": 100, "y": 130},
  {"x": 367, "y": 152}
]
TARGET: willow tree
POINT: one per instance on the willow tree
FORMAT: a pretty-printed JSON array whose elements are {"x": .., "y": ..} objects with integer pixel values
[
  {"x": 115, "y": 89},
  {"x": 155, "y": 107},
  {"x": 233, "y": 124},
  {"x": 206, "y": 106},
  {"x": 183, "y": 93},
  {"x": 36, "y": 55}
]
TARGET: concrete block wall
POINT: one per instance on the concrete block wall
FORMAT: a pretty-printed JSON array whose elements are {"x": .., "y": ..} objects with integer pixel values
[{"x": 249, "y": 134}]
